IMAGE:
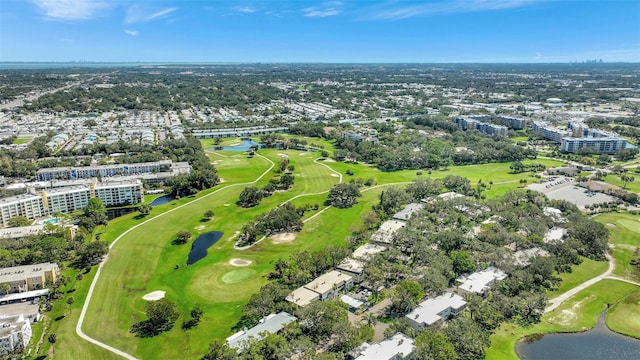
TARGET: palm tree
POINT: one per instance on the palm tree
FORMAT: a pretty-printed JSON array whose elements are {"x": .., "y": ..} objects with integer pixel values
[{"x": 370, "y": 318}]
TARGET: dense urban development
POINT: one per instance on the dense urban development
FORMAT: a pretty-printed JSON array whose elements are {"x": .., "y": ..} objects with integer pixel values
[{"x": 316, "y": 211}]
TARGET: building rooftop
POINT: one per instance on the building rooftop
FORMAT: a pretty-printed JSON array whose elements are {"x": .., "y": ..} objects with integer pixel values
[
  {"x": 367, "y": 251},
  {"x": 18, "y": 198},
  {"x": 385, "y": 233},
  {"x": 23, "y": 295},
  {"x": 351, "y": 265},
  {"x": 20, "y": 232},
  {"x": 302, "y": 296},
  {"x": 326, "y": 282},
  {"x": 429, "y": 311},
  {"x": 408, "y": 211},
  {"x": 479, "y": 281},
  {"x": 450, "y": 196},
  {"x": 389, "y": 349},
  {"x": 9, "y": 324},
  {"x": 354, "y": 303},
  {"x": 554, "y": 234},
  {"x": 18, "y": 273},
  {"x": 270, "y": 324}
]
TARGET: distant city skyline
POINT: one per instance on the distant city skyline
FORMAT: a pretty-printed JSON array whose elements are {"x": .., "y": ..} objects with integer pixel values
[{"x": 455, "y": 31}]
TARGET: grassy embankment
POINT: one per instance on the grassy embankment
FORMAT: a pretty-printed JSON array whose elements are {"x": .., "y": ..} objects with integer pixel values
[{"x": 144, "y": 260}]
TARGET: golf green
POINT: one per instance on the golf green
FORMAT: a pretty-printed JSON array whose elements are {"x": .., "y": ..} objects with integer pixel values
[{"x": 236, "y": 276}]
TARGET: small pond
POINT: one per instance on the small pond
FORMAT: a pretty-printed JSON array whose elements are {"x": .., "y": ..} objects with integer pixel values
[
  {"x": 161, "y": 200},
  {"x": 201, "y": 244},
  {"x": 246, "y": 144},
  {"x": 599, "y": 343}
]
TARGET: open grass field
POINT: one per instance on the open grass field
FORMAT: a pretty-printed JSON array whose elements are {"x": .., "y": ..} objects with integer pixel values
[
  {"x": 624, "y": 317},
  {"x": 19, "y": 141},
  {"x": 632, "y": 186},
  {"x": 625, "y": 239},
  {"x": 579, "y": 313},
  {"x": 144, "y": 260},
  {"x": 588, "y": 269}
]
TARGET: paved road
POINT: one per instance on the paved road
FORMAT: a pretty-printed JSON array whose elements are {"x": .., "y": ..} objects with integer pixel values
[{"x": 555, "y": 302}]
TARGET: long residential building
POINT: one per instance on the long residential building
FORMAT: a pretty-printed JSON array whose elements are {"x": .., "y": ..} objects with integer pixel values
[
  {"x": 15, "y": 334},
  {"x": 86, "y": 172},
  {"x": 471, "y": 123},
  {"x": 599, "y": 145},
  {"x": 29, "y": 277},
  {"x": 70, "y": 198}
]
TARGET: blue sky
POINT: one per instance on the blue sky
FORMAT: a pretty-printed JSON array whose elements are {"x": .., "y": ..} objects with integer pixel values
[{"x": 320, "y": 31}]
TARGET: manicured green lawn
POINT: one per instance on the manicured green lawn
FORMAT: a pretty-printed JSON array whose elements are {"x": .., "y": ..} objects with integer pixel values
[
  {"x": 625, "y": 236},
  {"x": 579, "y": 313},
  {"x": 624, "y": 317},
  {"x": 588, "y": 269},
  {"x": 633, "y": 186},
  {"x": 19, "y": 141}
]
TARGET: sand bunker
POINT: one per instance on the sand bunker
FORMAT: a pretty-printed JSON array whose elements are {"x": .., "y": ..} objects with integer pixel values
[
  {"x": 335, "y": 175},
  {"x": 282, "y": 238},
  {"x": 302, "y": 154},
  {"x": 282, "y": 155},
  {"x": 240, "y": 262},
  {"x": 153, "y": 296},
  {"x": 200, "y": 227}
]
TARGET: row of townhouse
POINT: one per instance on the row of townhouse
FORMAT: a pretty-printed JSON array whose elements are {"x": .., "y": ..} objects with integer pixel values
[
  {"x": 86, "y": 172},
  {"x": 33, "y": 205}
]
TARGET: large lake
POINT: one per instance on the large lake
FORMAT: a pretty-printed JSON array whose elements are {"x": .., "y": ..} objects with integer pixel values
[{"x": 599, "y": 343}]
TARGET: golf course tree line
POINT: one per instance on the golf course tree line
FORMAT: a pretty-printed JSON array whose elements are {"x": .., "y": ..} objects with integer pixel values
[
  {"x": 411, "y": 149},
  {"x": 203, "y": 175},
  {"x": 284, "y": 218},
  {"x": 251, "y": 195}
]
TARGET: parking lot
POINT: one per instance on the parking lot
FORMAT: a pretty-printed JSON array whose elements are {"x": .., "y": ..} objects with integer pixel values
[{"x": 564, "y": 188}]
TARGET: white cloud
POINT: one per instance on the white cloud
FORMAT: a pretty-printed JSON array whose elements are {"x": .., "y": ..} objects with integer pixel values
[
  {"x": 246, "y": 10},
  {"x": 70, "y": 10},
  {"x": 456, "y": 6},
  {"x": 329, "y": 9},
  {"x": 131, "y": 32},
  {"x": 137, "y": 15}
]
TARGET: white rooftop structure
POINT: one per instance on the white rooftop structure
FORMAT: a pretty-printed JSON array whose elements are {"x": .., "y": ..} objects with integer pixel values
[
  {"x": 480, "y": 281},
  {"x": 433, "y": 310},
  {"x": 328, "y": 281},
  {"x": 555, "y": 234},
  {"x": 354, "y": 303},
  {"x": 20, "y": 232},
  {"x": 522, "y": 257},
  {"x": 302, "y": 296},
  {"x": 385, "y": 233},
  {"x": 270, "y": 324},
  {"x": 408, "y": 211},
  {"x": 367, "y": 251},
  {"x": 399, "y": 346},
  {"x": 450, "y": 196},
  {"x": 555, "y": 214}
]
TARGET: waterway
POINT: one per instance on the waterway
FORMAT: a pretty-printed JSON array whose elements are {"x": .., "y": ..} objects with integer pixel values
[
  {"x": 599, "y": 343},
  {"x": 161, "y": 200},
  {"x": 246, "y": 144},
  {"x": 201, "y": 244}
]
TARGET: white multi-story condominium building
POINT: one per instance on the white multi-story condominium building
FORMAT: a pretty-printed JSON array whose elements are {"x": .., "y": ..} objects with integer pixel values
[
  {"x": 29, "y": 277},
  {"x": 70, "y": 198},
  {"x": 599, "y": 145},
  {"x": 472, "y": 123},
  {"x": 15, "y": 334},
  {"x": 114, "y": 193},
  {"x": 86, "y": 172},
  {"x": 549, "y": 132},
  {"x": 65, "y": 199}
]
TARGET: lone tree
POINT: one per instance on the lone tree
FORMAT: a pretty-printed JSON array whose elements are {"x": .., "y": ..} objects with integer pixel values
[
  {"x": 162, "y": 314},
  {"x": 182, "y": 237},
  {"x": 94, "y": 214},
  {"x": 626, "y": 179},
  {"x": 208, "y": 214},
  {"x": 344, "y": 195},
  {"x": 145, "y": 209}
]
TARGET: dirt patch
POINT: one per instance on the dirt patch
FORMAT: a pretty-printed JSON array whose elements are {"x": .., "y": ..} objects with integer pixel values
[
  {"x": 240, "y": 262},
  {"x": 282, "y": 155},
  {"x": 221, "y": 180},
  {"x": 328, "y": 160},
  {"x": 283, "y": 238},
  {"x": 154, "y": 295}
]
